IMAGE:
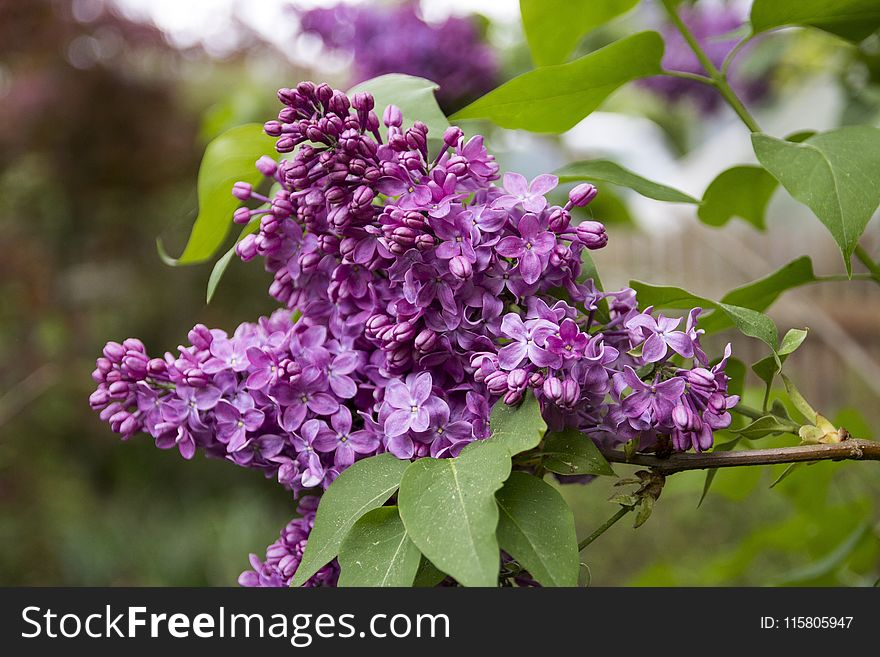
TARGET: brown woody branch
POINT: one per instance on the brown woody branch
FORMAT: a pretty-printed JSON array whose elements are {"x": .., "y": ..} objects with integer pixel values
[{"x": 852, "y": 449}]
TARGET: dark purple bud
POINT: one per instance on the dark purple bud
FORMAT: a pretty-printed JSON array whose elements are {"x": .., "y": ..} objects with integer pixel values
[
  {"x": 496, "y": 382},
  {"x": 571, "y": 392},
  {"x": 513, "y": 397},
  {"x": 363, "y": 102},
  {"x": 272, "y": 128},
  {"x": 559, "y": 220},
  {"x": 375, "y": 322},
  {"x": 591, "y": 234},
  {"x": 536, "y": 380},
  {"x": 424, "y": 242},
  {"x": 157, "y": 367},
  {"x": 426, "y": 340}
]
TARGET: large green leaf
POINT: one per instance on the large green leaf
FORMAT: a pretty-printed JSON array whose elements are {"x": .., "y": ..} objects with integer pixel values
[
  {"x": 741, "y": 191},
  {"x": 229, "y": 158},
  {"x": 363, "y": 487},
  {"x": 570, "y": 452},
  {"x": 536, "y": 528},
  {"x": 554, "y": 27},
  {"x": 517, "y": 428},
  {"x": 834, "y": 174},
  {"x": 377, "y": 551},
  {"x": 850, "y": 19},
  {"x": 749, "y": 322},
  {"x": 554, "y": 98},
  {"x": 611, "y": 172},
  {"x": 449, "y": 510},
  {"x": 413, "y": 95}
]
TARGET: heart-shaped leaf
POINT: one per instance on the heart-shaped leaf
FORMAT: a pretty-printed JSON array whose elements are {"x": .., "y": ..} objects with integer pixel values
[
  {"x": 517, "y": 428},
  {"x": 413, "y": 95},
  {"x": 834, "y": 174},
  {"x": 741, "y": 191},
  {"x": 536, "y": 528},
  {"x": 449, "y": 511}
]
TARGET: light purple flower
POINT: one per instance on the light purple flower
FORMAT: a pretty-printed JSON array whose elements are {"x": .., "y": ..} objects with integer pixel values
[
  {"x": 528, "y": 340},
  {"x": 531, "y": 195},
  {"x": 407, "y": 401},
  {"x": 533, "y": 243}
]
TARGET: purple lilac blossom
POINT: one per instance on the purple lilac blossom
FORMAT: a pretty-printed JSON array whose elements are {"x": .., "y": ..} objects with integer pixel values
[
  {"x": 398, "y": 347},
  {"x": 395, "y": 39},
  {"x": 712, "y": 27}
]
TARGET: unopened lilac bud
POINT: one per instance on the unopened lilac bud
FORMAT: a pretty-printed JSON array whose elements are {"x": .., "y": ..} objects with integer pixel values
[
  {"x": 496, "y": 383},
  {"x": 362, "y": 196},
  {"x": 513, "y": 397},
  {"x": 375, "y": 322},
  {"x": 129, "y": 426},
  {"x": 559, "y": 220},
  {"x": 114, "y": 351},
  {"x": 571, "y": 392},
  {"x": 536, "y": 380},
  {"x": 426, "y": 340},
  {"x": 582, "y": 194},
  {"x": 309, "y": 262},
  {"x": 157, "y": 367},
  {"x": 552, "y": 389},
  {"x": 558, "y": 255},
  {"x": 241, "y": 216},
  {"x": 119, "y": 390},
  {"x": 98, "y": 399},
  {"x": 451, "y": 135},
  {"x": 136, "y": 365},
  {"x": 591, "y": 234},
  {"x": 247, "y": 248},
  {"x": 517, "y": 379},
  {"x": 403, "y": 332},
  {"x": 392, "y": 116},
  {"x": 424, "y": 242},
  {"x": 267, "y": 166},
  {"x": 461, "y": 267},
  {"x": 272, "y": 128}
]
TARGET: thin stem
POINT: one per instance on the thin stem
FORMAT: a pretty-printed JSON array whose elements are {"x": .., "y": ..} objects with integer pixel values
[
  {"x": 717, "y": 77},
  {"x": 748, "y": 411},
  {"x": 853, "y": 449},
  {"x": 684, "y": 75},
  {"x": 869, "y": 262},
  {"x": 605, "y": 527},
  {"x": 725, "y": 65}
]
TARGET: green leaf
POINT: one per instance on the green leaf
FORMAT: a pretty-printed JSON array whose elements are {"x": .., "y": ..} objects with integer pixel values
[
  {"x": 611, "y": 172},
  {"x": 555, "y": 98},
  {"x": 785, "y": 474},
  {"x": 554, "y": 27},
  {"x": 517, "y": 428},
  {"x": 852, "y": 20},
  {"x": 377, "y": 551},
  {"x": 834, "y": 174},
  {"x": 570, "y": 452},
  {"x": 536, "y": 528},
  {"x": 762, "y": 293},
  {"x": 753, "y": 324},
  {"x": 220, "y": 266},
  {"x": 711, "y": 472},
  {"x": 414, "y": 96},
  {"x": 741, "y": 191},
  {"x": 449, "y": 511},
  {"x": 229, "y": 158},
  {"x": 428, "y": 576},
  {"x": 590, "y": 271},
  {"x": 362, "y": 487}
]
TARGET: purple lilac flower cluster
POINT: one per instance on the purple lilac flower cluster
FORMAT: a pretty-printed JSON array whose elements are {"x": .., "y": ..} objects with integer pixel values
[
  {"x": 425, "y": 294},
  {"x": 395, "y": 39},
  {"x": 712, "y": 26}
]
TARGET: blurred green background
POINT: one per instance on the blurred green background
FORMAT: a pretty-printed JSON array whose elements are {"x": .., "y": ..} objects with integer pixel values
[{"x": 102, "y": 124}]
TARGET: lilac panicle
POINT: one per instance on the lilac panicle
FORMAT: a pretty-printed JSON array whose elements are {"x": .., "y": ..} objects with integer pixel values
[{"x": 425, "y": 293}]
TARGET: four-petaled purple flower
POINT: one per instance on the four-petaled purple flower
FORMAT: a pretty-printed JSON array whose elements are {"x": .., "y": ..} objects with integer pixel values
[
  {"x": 528, "y": 340},
  {"x": 233, "y": 424},
  {"x": 343, "y": 441},
  {"x": 660, "y": 336},
  {"x": 406, "y": 399},
  {"x": 533, "y": 243}
]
